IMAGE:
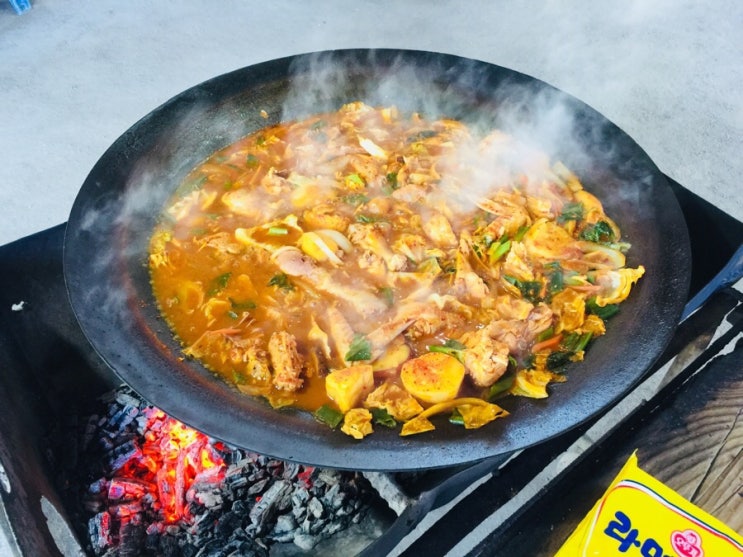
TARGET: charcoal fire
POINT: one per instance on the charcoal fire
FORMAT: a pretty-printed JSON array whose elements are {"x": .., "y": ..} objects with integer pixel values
[{"x": 149, "y": 485}]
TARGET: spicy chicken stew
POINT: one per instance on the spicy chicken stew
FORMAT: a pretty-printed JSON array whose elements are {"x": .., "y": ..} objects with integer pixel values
[{"x": 376, "y": 267}]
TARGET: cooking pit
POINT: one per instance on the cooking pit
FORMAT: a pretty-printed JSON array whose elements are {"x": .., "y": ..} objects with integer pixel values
[{"x": 89, "y": 468}]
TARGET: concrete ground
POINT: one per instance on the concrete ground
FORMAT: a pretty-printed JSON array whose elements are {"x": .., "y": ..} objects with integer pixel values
[{"x": 76, "y": 75}]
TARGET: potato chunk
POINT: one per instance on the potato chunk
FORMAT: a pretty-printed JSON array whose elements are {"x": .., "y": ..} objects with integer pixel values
[
  {"x": 433, "y": 377},
  {"x": 348, "y": 386}
]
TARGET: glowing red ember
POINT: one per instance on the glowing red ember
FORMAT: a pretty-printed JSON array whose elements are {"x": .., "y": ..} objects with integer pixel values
[{"x": 173, "y": 458}]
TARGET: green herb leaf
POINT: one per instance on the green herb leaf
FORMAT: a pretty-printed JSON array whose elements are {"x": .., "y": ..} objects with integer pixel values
[
  {"x": 558, "y": 359},
  {"x": 382, "y": 417},
  {"x": 281, "y": 280},
  {"x": 451, "y": 347},
  {"x": 359, "y": 350},
  {"x": 600, "y": 233},
  {"x": 252, "y": 161},
  {"x": 355, "y": 180},
  {"x": 456, "y": 417},
  {"x": 547, "y": 333},
  {"x": 571, "y": 211},
  {"x": 367, "y": 219},
  {"x": 355, "y": 199},
  {"x": 219, "y": 283},
  {"x": 242, "y": 306},
  {"x": 277, "y": 231},
  {"x": 388, "y": 295},
  {"x": 498, "y": 250},
  {"x": 606, "y": 312},
  {"x": 530, "y": 289},
  {"x": 392, "y": 180},
  {"x": 501, "y": 386},
  {"x": 328, "y": 415},
  {"x": 555, "y": 280},
  {"x": 520, "y": 233}
]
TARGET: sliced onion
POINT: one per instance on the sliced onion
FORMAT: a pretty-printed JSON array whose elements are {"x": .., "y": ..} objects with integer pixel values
[
  {"x": 603, "y": 255},
  {"x": 318, "y": 241},
  {"x": 372, "y": 148},
  {"x": 338, "y": 238}
]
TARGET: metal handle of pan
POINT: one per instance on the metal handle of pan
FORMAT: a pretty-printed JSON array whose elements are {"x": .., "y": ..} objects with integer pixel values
[{"x": 731, "y": 273}]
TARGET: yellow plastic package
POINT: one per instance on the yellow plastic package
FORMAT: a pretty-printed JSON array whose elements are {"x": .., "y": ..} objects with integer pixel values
[{"x": 638, "y": 516}]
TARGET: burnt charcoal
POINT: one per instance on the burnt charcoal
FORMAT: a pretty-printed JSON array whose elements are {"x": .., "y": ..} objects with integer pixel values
[
  {"x": 236, "y": 481},
  {"x": 121, "y": 419},
  {"x": 125, "y": 399},
  {"x": 99, "y": 531},
  {"x": 241, "y": 508},
  {"x": 333, "y": 498},
  {"x": 273, "y": 499},
  {"x": 227, "y": 524},
  {"x": 300, "y": 496},
  {"x": 314, "y": 506},
  {"x": 328, "y": 477},
  {"x": 258, "y": 487},
  {"x": 122, "y": 454},
  {"x": 131, "y": 538},
  {"x": 291, "y": 470},
  {"x": 284, "y": 529},
  {"x": 209, "y": 499},
  {"x": 167, "y": 546},
  {"x": 237, "y": 504}
]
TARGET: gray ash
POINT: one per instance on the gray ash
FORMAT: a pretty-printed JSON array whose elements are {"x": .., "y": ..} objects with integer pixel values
[{"x": 144, "y": 484}]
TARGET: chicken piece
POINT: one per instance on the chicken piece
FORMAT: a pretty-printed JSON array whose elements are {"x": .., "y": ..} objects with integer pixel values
[
  {"x": 546, "y": 240},
  {"x": 372, "y": 263},
  {"x": 509, "y": 210},
  {"x": 383, "y": 335},
  {"x": 229, "y": 346},
  {"x": 517, "y": 264},
  {"x": 320, "y": 338},
  {"x": 539, "y": 320},
  {"x": 222, "y": 242},
  {"x": 519, "y": 335},
  {"x": 254, "y": 204},
  {"x": 409, "y": 192},
  {"x": 325, "y": 215},
  {"x": 466, "y": 281},
  {"x": 438, "y": 228},
  {"x": 286, "y": 361},
  {"x": 434, "y": 321},
  {"x": 370, "y": 237},
  {"x": 485, "y": 358},
  {"x": 359, "y": 295},
  {"x": 340, "y": 332},
  {"x": 508, "y": 307},
  {"x": 183, "y": 207},
  {"x": 412, "y": 246}
]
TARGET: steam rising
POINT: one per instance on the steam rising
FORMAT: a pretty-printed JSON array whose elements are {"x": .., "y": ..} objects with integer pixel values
[{"x": 149, "y": 162}]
